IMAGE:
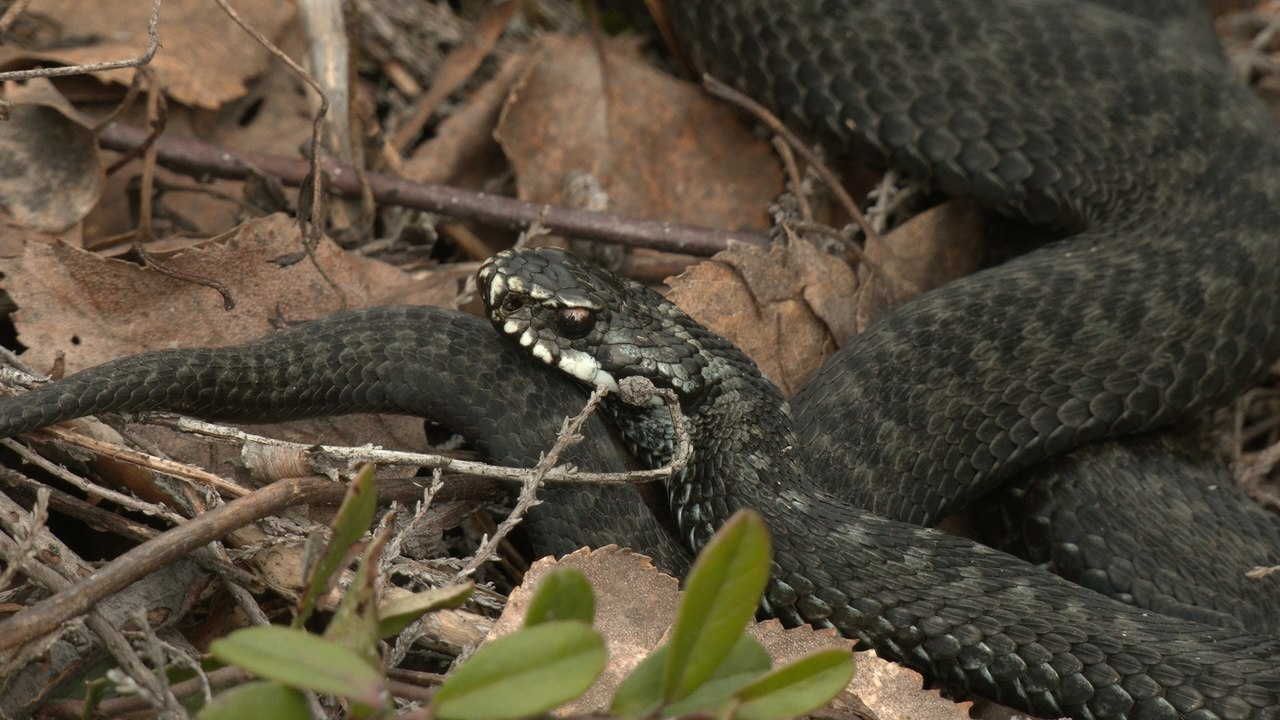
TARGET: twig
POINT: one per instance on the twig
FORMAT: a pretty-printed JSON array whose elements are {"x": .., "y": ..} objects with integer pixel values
[
  {"x": 12, "y": 14},
  {"x": 49, "y": 614},
  {"x": 178, "y": 470},
  {"x": 332, "y": 459},
  {"x": 309, "y": 224},
  {"x": 781, "y": 147},
  {"x": 62, "y": 577},
  {"x": 153, "y": 42},
  {"x": 758, "y": 111},
  {"x": 149, "y": 261},
  {"x": 200, "y": 159},
  {"x": 570, "y": 434},
  {"x": 410, "y": 528},
  {"x": 121, "y": 706},
  {"x": 62, "y": 473},
  {"x": 25, "y": 534},
  {"x": 133, "y": 676},
  {"x": 110, "y": 522}
]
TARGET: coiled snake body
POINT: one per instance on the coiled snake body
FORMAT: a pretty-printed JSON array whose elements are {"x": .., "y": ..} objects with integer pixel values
[{"x": 1165, "y": 302}]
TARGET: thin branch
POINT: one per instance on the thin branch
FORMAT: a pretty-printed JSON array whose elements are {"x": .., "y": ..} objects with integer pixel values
[
  {"x": 199, "y": 159},
  {"x": 332, "y": 460},
  {"x": 153, "y": 42},
  {"x": 128, "y": 501},
  {"x": 11, "y": 15},
  {"x": 168, "y": 467},
  {"x": 51, "y": 613},
  {"x": 62, "y": 577},
  {"x": 26, "y": 533},
  {"x": 317, "y": 123},
  {"x": 758, "y": 111},
  {"x": 570, "y": 434}
]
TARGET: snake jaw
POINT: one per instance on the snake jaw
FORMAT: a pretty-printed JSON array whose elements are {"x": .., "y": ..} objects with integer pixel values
[{"x": 592, "y": 325}]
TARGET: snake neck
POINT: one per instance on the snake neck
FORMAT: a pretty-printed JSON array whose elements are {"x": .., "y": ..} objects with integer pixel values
[{"x": 744, "y": 445}]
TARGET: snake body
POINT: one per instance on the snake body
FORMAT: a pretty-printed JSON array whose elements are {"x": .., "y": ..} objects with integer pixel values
[{"x": 1163, "y": 303}]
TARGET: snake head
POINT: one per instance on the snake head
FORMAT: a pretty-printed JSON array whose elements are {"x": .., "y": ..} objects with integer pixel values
[{"x": 588, "y": 322}]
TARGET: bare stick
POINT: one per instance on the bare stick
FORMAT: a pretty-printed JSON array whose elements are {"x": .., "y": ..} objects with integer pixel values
[
  {"x": 200, "y": 159},
  {"x": 49, "y": 614},
  {"x": 153, "y": 42},
  {"x": 333, "y": 459}
]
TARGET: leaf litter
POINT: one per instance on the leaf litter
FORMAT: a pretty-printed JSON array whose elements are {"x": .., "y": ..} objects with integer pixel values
[{"x": 519, "y": 116}]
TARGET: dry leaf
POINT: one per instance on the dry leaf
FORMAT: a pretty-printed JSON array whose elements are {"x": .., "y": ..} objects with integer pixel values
[
  {"x": 464, "y": 140},
  {"x": 636, "y": 604},
  {"x": 204, "y": 58},
  {"x": 928, "y": 251},
  {"x": 787, "y": 308},
  {"x": 659, "y": 146},
  {"x": 93, "y": 309},
  {"x": 50, "y": 171}
]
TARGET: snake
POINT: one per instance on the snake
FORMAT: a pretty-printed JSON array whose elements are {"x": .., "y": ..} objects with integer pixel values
[{"x": 1160, "y": 302}]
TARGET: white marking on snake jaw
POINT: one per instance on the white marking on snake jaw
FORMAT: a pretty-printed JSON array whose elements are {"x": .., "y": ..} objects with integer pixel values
[
  {"x": 510, "y": 327},
  {"x": 540, "y": 352},
  {"x": 585, "y": 368},
  {"x": 496, "y": 290},
  {"x": 526, "y": 337}
]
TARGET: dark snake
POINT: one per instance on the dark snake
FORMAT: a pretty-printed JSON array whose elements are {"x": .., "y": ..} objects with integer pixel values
[{"x": 1163, "y": 303}]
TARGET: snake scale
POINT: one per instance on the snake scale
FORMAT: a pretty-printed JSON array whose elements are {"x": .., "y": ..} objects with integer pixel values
[{"x": 1165, "y": 301}]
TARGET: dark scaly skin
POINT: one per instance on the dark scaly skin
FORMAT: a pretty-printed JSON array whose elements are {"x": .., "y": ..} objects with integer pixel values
[
  {"x": 1130, "y": 134},
  {"x": 987, "y": 624},
  {"x": 1061, "y": 514},
  {"x": 422, "y": 361},
  {"x": 968, "y": 617},
  {"x": 1166, "y": 302}
]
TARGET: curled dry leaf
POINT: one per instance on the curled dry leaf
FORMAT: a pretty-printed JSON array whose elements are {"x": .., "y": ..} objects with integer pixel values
[
  {"x": 659, "y": 146},
  {"x": 51, "y": 173},
  {"x": 787, "y": 308}
]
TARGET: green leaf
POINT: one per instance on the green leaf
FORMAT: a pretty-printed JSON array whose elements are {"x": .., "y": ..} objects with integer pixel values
[
  {"x": 797, "y": 687},
  {"x": 747, "y": 661},
  {"x": 355, "y": 621},
  {"x": 353, "y": 520},
  {"x": 563, "y": 594},
  {"x": 721, "y": 595},
  {"x": 528, "y": 672},
  {"x": 640, "y": 694},
  {"x": 262, "y": 699},
  {"x": 397, "y": 614},
  {"x": 303, "y": 661}
]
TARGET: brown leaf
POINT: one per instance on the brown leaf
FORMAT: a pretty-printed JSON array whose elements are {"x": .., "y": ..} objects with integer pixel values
[
  {"x": 204, "y": 58},
  {"x": 636, "y": 604},
  {"x": 659, "y": 147},
  {"x": 93, "y": 309},
  {"x": 50, "y": 171},
  {"x": 786, "y": 308},
  {"x": 926, "y": 252},
  {"x": 464, "y": 141},
  {"x": 459, "y": 65}
]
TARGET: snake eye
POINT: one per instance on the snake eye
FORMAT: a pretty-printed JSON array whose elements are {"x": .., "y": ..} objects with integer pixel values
[
  {"x": 574, "y": 323},
  {"x": 511, "y": 303}
]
